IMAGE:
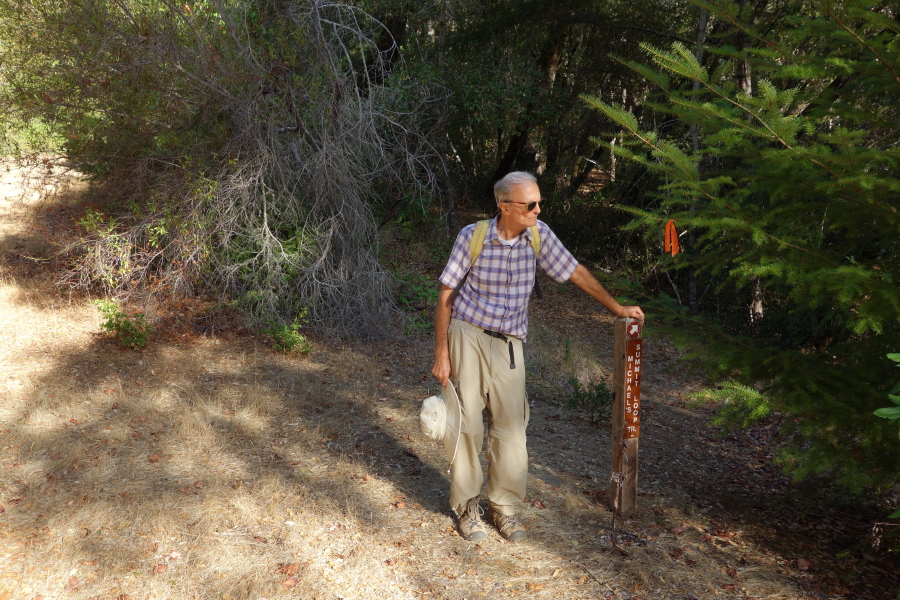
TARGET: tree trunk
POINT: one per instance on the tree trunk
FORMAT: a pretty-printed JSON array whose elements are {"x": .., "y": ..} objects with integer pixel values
[
  {"x": 693, "y": 295},
  {"x": 745, "y": 84},
  {"x": 549, "y": 63}
]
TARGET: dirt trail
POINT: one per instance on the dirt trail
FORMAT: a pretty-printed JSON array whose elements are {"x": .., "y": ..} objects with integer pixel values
[{"x": 206, "y": 466}]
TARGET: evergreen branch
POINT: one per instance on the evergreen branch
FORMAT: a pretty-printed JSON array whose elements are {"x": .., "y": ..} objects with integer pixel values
[
  {"x": 863, "y": 43},
  {"x": 726, "y": 17}
]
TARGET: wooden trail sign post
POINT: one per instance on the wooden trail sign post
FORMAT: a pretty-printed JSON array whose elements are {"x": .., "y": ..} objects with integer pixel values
[{"x": 628, "y": 350}]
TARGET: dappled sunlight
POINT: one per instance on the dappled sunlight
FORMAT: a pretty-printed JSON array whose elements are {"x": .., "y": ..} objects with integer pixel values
[{"x": 197, "y": 467}]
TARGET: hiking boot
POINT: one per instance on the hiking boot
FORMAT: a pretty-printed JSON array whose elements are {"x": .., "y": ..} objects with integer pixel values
[
  {"x": 469, "y": 521},
  {"x": 509, "y": 526}
]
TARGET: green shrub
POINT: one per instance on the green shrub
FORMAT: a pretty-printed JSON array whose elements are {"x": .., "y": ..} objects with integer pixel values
[
  {"x": 287, "y": 338},
  {"x": 129, "y": 331},
  {"x": 595, "y": 399},
  {"x": 417, "y": 294}
]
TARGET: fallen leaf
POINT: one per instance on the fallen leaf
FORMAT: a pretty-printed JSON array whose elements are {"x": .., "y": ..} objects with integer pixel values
[
  {"x": 115, "y": 405},
  {"x": 367, "y": 478},
  {"x": 290, "y": 570},
  {"x": 260, "y": 539},
  {"x": 803, "y": 564},
  {"x": 109, "y": 391},
  {"x": 154, "y": 458},
  {"x": 158, "y": 569},
  {"x": 390, "y": 562},
  {"x": 537, "y": 504},
  {"x": 74, "y": 421},
  {"x": 724, "y": 534},
  {"x": 400, "y": 504},
  {"x": 289, "y": 583},
  {"x": 553, "y": 418},
  {"x": 198, "y": 484},
  {"x": 73, "y": 584},
  {"x": 680, "y": 529},
  {"x": 90, "y": 563},
  {"x": 732, "y": 573},
  {"x": 582, "y": 580},
  {"x": 534, "y": 586},
  {"x": 137, "y": 435}
]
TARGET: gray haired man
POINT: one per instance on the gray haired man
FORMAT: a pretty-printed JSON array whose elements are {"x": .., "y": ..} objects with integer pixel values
[{"x": 479, "y": 332}]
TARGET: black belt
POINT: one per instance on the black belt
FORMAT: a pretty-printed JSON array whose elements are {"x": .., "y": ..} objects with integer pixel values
[{"x": 500, "y": 336}]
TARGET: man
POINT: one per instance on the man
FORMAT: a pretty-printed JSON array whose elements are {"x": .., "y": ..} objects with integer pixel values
[{"x": 478, "y": 346}]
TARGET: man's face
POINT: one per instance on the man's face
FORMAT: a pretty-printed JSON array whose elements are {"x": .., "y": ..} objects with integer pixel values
[{"x": 516, "y": 208}]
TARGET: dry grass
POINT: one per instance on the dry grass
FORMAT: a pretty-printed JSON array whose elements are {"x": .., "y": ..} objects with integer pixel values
[{"x": 214, "y": 468}]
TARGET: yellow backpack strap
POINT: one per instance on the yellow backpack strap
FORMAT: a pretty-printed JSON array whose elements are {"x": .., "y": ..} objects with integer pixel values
[
  {"x": 477, "y": 241},
  {"x": 535, "y": 241},
  {"x": 475, "y": 246},
  {"x": 536, "y": 246}
]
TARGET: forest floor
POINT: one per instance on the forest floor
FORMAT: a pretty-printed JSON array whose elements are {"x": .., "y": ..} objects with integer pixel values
[{"x": 208, "y": 466}]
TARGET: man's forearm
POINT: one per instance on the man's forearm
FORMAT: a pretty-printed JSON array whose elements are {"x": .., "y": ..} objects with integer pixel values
[
  {"x": 442, "y": 321},
  {"x": 441, "y": 368},
  {"x": 586, "y": 281}
]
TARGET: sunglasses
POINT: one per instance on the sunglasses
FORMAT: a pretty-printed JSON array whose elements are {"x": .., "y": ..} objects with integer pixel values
[{"x": 529, "y": 206}]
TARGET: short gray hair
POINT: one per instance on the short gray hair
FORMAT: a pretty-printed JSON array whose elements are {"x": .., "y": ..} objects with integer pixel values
[{"x": 504, "y": 187}]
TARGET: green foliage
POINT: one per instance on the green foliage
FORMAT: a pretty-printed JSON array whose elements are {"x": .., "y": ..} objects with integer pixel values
[
  {"x": 594, "y": 399},
  {"x": 417, "y": 293},
  {"x": 130, "y": 331},
  {"x": 892, "y": 413},
  {"x": 786, "y": 192},
  {"x": 287, "y": 338}
]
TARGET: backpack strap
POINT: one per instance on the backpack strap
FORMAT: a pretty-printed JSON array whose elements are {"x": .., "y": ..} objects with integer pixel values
[
  {"x": 476, "y": 244},
  {"x": 535, "y": 241},
  {"x": 536, "y": 246}
]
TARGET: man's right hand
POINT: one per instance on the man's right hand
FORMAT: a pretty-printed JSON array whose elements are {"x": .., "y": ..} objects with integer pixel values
[{"x": 441, "y": 369}]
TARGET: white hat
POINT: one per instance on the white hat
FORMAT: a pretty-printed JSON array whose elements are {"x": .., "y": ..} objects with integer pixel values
[{"x": 440, "y": 419}]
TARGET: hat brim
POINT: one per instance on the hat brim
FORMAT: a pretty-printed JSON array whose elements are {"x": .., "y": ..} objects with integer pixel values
[{"x": 454, "y": 421}]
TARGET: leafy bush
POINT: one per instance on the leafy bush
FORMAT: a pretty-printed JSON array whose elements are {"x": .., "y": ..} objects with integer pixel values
[
  {"x": 128, "y": 331},
  {"x": 417, "y": 294},
  {"x": 595, "y": 399},
  {"x": 287, "y": 338},
  {"x": 257, "y": 165},
  {"x": 892, "y": 413}
]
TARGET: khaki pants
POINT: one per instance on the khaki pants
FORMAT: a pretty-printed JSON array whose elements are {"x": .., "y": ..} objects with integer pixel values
[{"x": 480, "y": 369}]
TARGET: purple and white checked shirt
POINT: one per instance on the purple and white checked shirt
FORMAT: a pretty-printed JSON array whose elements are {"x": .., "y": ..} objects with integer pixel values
[{"x": 495, "y": 295}]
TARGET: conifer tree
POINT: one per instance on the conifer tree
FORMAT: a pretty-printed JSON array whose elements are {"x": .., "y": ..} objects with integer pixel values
[{"x": 795, "y": 186}]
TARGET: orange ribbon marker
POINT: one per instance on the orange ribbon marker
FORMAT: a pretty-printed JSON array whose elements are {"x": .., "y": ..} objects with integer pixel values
[{"x": 671, "y": 242}]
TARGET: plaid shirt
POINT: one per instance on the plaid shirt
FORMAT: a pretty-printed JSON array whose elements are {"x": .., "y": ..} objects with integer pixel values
[{"x": 496, "y": 294}]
